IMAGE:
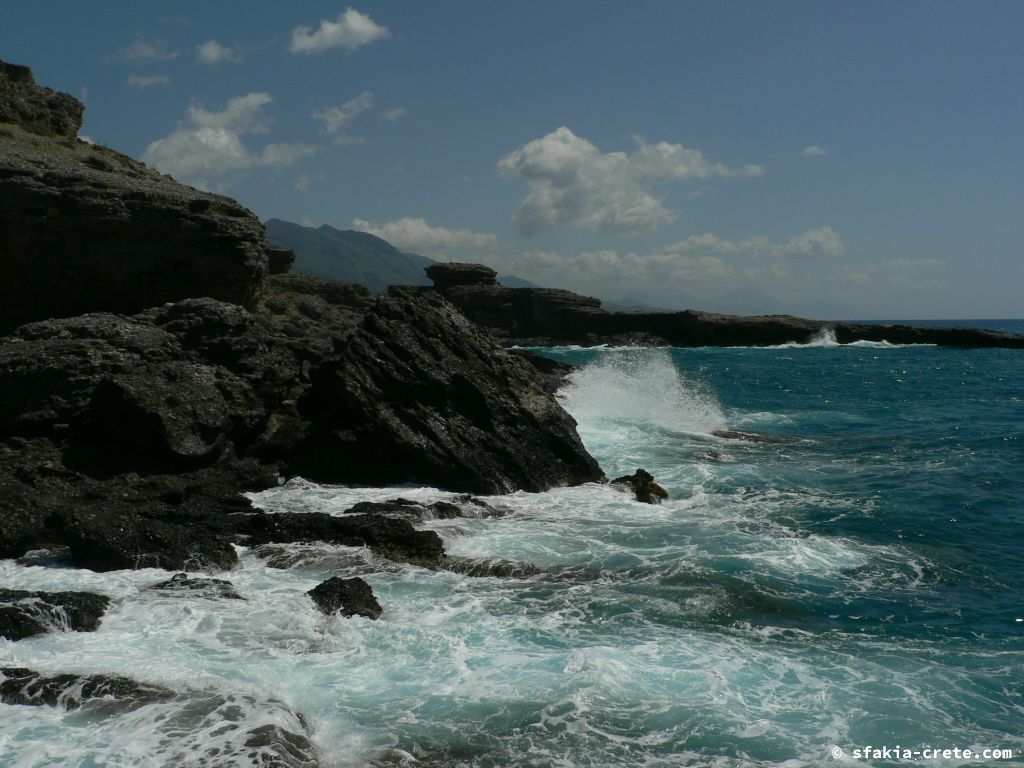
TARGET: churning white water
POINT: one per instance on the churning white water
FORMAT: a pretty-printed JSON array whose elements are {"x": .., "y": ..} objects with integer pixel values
[{"x": 719, "y": 628}]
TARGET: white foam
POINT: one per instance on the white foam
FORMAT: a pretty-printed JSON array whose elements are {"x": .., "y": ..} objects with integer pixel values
[{"x": 643, "y": 388}]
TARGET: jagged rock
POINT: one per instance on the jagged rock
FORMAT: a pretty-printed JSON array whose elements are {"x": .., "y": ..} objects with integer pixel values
[
  {"x": 349, "y": 597},
  {"x": 643, "y": 486},
  {"x": 421, "y": 395},
  {"x": 389, "y": 537},
  {"x": 451, "y": 274},
  {"x": 101, "y": 541},
  {"x": 552, "y": 372},
  {"x": 182, "y": 585},
  {"x": 36, "y": 109},
  {"x": 84, "y": 228},
  {"x": 23, "y": 614}
]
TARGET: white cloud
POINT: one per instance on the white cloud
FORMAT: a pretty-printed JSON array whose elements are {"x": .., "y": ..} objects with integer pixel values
[
  {"x": 393, "y": 115},
  {"x": 337, "y": 119},
  {"x": 416, "y": 235},
  {"x": 147, "y": 81},
  {"x": 820, "y": 242},
  {"x": 351, "y": 32},
  {"x": 145, "y": 49},
  {"x": 572, "y": 182},
  {"x": 207, "y": 146},
  {"x": 813, "y": 151},
  {"x": 676, "y": 162},
  {"x": 212, "y": 52}
]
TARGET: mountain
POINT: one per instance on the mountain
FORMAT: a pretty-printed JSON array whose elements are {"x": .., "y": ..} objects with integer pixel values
[{"x": 347, "y": 255}]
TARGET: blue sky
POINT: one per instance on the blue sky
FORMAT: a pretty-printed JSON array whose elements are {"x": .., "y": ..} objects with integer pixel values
[{"x": 835, "y": 159}]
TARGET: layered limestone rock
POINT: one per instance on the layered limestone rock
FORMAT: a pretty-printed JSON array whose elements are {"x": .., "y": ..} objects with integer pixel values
[{"x": 84, "y": 228}]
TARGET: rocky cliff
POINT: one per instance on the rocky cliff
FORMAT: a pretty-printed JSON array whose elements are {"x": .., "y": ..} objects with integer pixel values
[
  {"x": 548, "y": 316},
  {"x": 127, "y": 434},
  {"x": 84, "y": 228}
]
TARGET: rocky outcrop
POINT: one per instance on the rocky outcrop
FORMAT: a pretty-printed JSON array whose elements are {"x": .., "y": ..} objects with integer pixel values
[
  {"x": 421, "y": 395},
  {"x": 24, "y": 614},
  {"x": 38, "y": 110},
  {"x": 548, "y": 316},
  {"x": 349, "y": 597},
  {"x": 643, "y": 486},
  {"x": 449, "y": 275},
  {"x": 84, "y": 228}
]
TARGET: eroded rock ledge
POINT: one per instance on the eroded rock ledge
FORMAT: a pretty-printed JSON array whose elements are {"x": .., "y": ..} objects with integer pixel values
[
  {"x": 84, "y": 228},
  {"x": 550, "y": 316}
]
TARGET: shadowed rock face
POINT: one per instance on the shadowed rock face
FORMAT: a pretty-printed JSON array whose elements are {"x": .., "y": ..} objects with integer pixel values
[
  {"x": 419, "y": 394},
  {"x": 84, "y": 228}
]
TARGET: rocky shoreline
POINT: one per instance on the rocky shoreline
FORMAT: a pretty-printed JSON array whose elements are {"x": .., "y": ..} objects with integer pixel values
[
  {"x": 545, "y": 317},
  {"x": 154, "y": 370},
  {"x": 160, "y": 360}
]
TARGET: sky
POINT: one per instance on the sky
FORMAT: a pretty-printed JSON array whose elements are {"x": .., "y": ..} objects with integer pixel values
[{"x": 834, "y": 159}]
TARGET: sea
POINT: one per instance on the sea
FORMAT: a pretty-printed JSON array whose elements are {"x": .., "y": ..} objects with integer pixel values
[{"x": 840, "y": 570}]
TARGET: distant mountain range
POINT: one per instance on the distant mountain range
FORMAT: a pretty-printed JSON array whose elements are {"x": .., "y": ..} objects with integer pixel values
[{"x": 356, "y": 257}]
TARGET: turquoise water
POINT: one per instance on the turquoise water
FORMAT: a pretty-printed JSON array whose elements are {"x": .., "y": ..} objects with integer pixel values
[{"x": 857, "y": 579}]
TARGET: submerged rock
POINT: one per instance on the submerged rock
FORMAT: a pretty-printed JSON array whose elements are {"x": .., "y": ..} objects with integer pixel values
[
  {"x": 84, "y": 228},
  {"x": 24, "y": 614},
  {"x": 750, "y": 437},
  {"x": 643, "y": 486},
  {"x": 349, "y": 597},
  {"x": 200, "y": 728},
  {"x": 182, "y": 585},
  {"x": 389, "y": 537}
]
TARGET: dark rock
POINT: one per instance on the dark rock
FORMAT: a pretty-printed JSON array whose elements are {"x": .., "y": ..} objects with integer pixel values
[
  {"x": 459, "y": 506},
  {"x": 38, "y": 110},
  {"x": 642, "y": 484},
  {"x": 552, "y": 372},
  {"x": 101, "y": 541},
  {"x": 389, "y": 537},
  {"x": 182, "y": 585},
  {"x": 46, "y": 504},
  {"x": 85, "y": 229},
  {"x": 453, "y": 273},
  {"x": 349, "y": 597},
  {"x": 420, "y": 395},
  {"x": 23, "y": 614},
  {"x": 280, "y": 260}
]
